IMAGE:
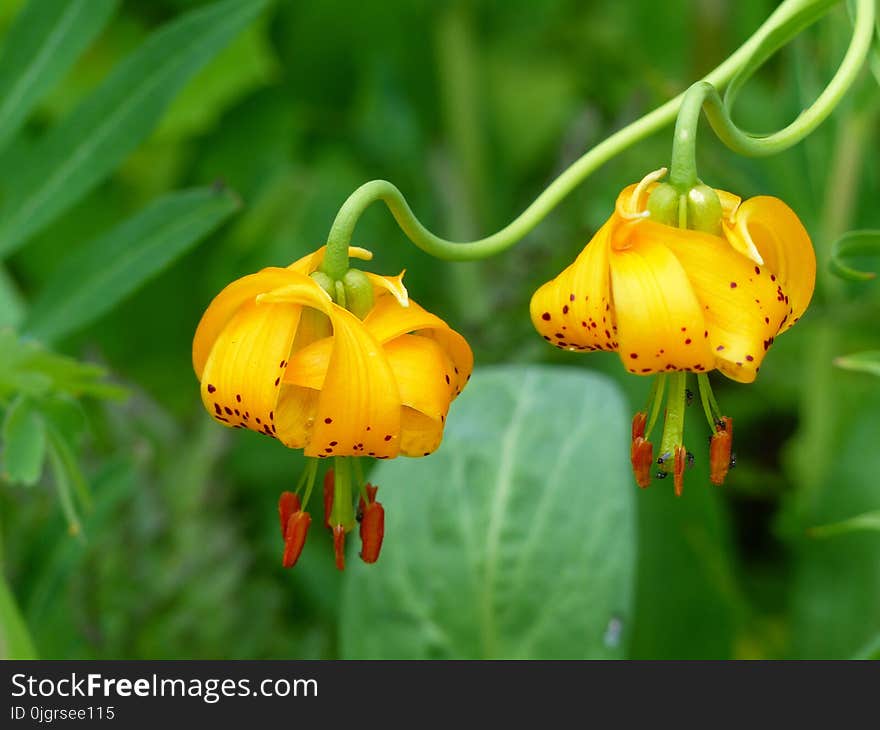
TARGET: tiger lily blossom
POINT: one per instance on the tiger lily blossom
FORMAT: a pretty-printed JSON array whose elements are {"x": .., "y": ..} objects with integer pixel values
[
  {"x": 275, "y": 354},
  {"x": 670, "y": 301}
]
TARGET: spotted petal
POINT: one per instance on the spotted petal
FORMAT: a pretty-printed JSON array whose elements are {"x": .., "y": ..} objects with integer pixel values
[
  {"x": 388, "y": 320},
  {"x": 574, "y": 311},
  {"x": 742, "y": 303},
  {"x": 773, "y": 229},
  {"x": 228, "y": 301},
  {"x": 659, "y": 317},
  {"x": 359, "y": 405},
  {"x": 242, "y": 376}
]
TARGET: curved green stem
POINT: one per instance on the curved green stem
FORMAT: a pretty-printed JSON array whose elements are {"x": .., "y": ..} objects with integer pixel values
[
  {"x": 703, "y": 95},
  {"x": 786, "y": 21}
]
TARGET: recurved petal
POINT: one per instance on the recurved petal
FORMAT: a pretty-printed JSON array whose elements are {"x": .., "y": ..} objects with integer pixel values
[
  {"x": 310, "y": 262},
  {"x": 420, "y": 434},
  {"x": 574, "y": 311},
  {"x": 424, "y": 373},
  {"x": 743, "y": 306},
  {"x": 659, "y": 317},
  {"x": 227, "y": 302},
  {"x": 388, "y": 320},
  {"x": 392, "y": 284},
  {"x": 242, "y": 376},
  {"x": 359, "y": 405},
  {"x": 774, "y": 230}
]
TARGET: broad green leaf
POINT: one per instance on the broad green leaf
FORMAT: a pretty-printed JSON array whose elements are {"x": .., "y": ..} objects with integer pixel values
[
  {"x": 871, "y": 650},
  {"x": 515, "y": 540},
  {"x": 863, "y": 362},
  {"x": 84, "y": 148},
  {"x": 15, "y": 640},
  {"x": 854, "y": 243},
  {"x": 24, "y": 442},
  {"x": 102, "y": 273},
  {"x": 45, "y": 40}
]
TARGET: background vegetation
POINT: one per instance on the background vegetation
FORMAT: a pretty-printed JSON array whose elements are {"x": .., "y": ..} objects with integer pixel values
[{"x": 228, "y": 144}]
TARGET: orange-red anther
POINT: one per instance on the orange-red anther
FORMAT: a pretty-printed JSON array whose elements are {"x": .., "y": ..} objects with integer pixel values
[
  {"x": 339, "y": 546},
  {"x": 288, "y": 503},
  {"x": 328, "y": 497},
  {"x": 642, "y": 457},
  {"x": 638, "y": 425},
  {"x": 371, "y": 497},
  {"x": 719, "y": 451},
  {"x": 678, "y": 469},
  {"x": 372, "y": 531},
  {"x": 295, "y": 537}
]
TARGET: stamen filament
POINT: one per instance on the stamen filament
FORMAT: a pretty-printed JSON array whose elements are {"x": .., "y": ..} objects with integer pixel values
[
  {"x": 713, "y": 411},
  {"x": 707, "y": 398},
  {"x": 655, "y": 400},
  {"x": 308, "y": 479}
]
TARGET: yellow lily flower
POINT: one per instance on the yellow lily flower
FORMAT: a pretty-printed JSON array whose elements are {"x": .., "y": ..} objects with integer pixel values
[
  {"x": 275, "y": 354},
  {"x": 674, "y": 300},
  {"x": 668, "y": 298}
]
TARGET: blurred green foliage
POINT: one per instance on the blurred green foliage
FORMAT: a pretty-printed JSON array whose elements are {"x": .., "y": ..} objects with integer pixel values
[{"x": 470, "y": 108}]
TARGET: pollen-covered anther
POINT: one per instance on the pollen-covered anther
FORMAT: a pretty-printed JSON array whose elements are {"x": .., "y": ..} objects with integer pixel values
[
  {"x": 638, "y": 424},
  {"x": 642, "y": 457},
  {"x": 288, "y": 503},
  {"x": 295, "y": 537},
  {"x": 339, "y": 546},
  {"x": 371, "y": 516},
  {"x": 679, "y": 465},
  {"x": 720, "y": 457}
]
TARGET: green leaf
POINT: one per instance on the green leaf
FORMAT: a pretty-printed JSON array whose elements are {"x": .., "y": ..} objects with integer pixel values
[
  {"x": 29, "y": 368},
  {"x": 43, "y": 43},
  {"x": 24, "y": 442},
  {"x": 864, "y": 521},
  {"x": 862, "y": 362},
  {"x": 854, "y": 243},
  {"x": 871, "y": 650},
  {"x": 102, "y": 273},
  {"x": 515, "y": 540},
  {"x": 83, "y": 149},
  {"x": 15, "y": 640},
  {"x": 12, "y": 305}
]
